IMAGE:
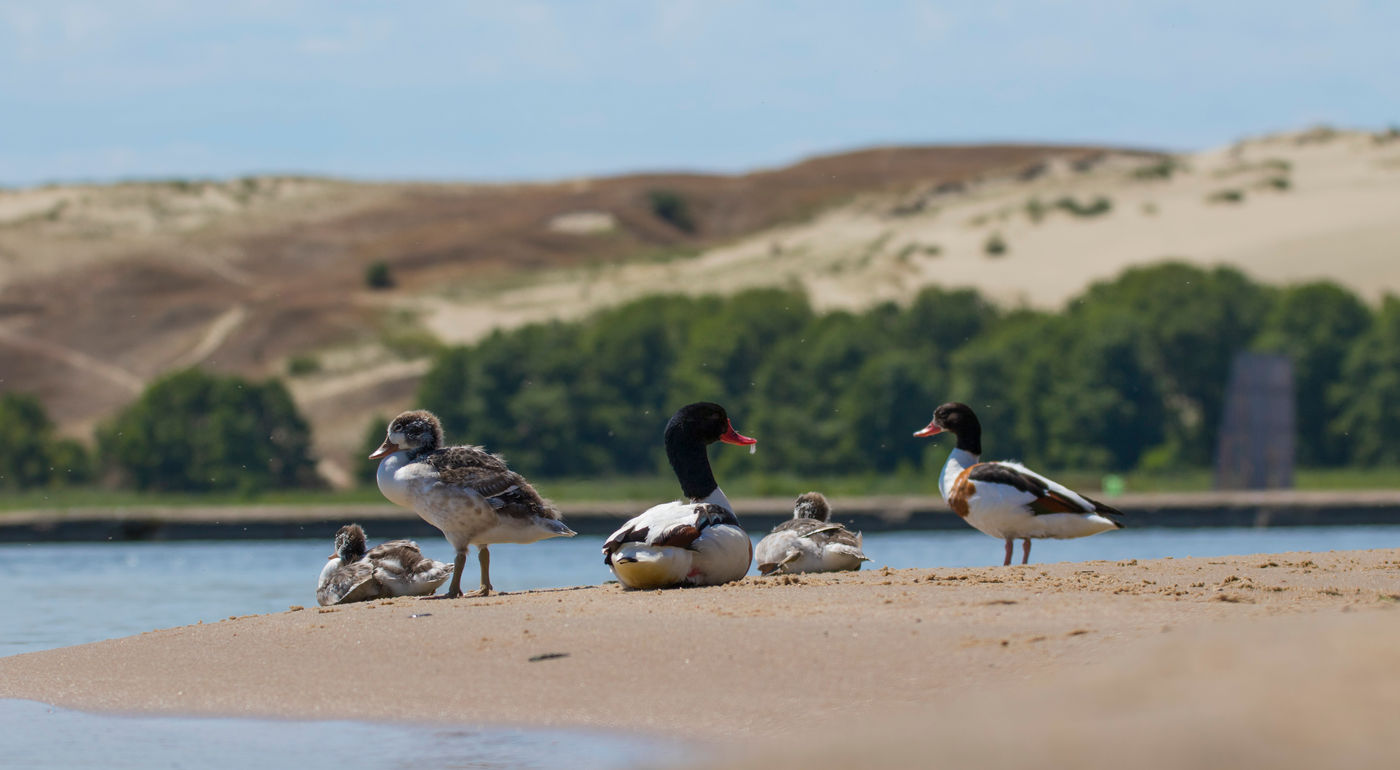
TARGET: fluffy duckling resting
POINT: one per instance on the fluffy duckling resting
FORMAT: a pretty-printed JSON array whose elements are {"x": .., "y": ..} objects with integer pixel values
[
  {"x": 395, "y": 568},
  {"x": 808, "y": 542}
]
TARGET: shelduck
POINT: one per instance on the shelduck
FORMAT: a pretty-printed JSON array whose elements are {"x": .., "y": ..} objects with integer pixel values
[
  {"x": 1006, "y": 499},
  {"x": 696, "y": 541},
  {"x": 465, "y": 491},
  {"x": 395, "y": 568}
]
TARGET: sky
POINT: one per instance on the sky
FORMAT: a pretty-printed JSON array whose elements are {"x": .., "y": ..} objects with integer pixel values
[{"x": 492, "y": 91}]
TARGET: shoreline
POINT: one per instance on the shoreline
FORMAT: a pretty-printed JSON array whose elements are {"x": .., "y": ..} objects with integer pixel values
[
  {"x": 874, "y": 513},
  {"x": 753, "y": 665}
]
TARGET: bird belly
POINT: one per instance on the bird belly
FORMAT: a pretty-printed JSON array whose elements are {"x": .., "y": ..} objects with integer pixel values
[
  {"x": 642, "y": 566},
  {"x": 722, "y": 554}
]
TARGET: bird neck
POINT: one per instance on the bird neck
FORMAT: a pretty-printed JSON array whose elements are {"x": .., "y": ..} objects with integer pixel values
[{"x": 691, "y": 465}]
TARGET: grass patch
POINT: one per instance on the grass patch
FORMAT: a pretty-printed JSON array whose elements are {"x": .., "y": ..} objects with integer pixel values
[
  {"x": 1226, "y": 196},
  {"x": 995, "y": 245}
]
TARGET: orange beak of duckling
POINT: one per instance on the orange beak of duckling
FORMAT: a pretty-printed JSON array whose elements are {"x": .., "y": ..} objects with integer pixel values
[{"x": 384, "y": 450}]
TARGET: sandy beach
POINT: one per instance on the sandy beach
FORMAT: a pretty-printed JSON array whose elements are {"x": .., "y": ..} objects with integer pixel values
[{"x": 1286, "y": 660}]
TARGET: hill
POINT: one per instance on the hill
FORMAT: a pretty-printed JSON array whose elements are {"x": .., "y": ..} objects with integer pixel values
[{"x": 104, "y": 287}]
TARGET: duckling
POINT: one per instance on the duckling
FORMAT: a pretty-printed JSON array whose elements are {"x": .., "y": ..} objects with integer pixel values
[
  {"x": 395, "y": 568},
  {"x": 809, "y": 542},
  {"x": 465, "y": 491}
]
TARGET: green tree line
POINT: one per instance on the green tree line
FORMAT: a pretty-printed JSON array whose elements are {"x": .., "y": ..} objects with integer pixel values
[{"x": 1131, "y": 374}]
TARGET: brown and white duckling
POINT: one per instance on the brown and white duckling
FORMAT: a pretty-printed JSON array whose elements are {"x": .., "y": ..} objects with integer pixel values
[
  {"x": 1006, "y": 499},
  {"x": 696, "y": 541},
  {"x": 809, "y": 541},
  {"x": 395, "y": 568},
  {"x": 465, "y": 491}
]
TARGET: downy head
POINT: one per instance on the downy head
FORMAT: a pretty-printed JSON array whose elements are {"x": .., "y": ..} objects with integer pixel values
[
  {"x": 811, "y": 505},
  {"x": 959, "y": 420},
  {"x": 692, "y": 428},
  {"x": 350, "y": 543},
  {"x": 416, "y": 431}
]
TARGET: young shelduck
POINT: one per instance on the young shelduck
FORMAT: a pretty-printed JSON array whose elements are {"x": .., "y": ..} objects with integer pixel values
[
  {"x": 809, "y": 541},
  {"x": 395, "y": 568},
  {"x": 696, "y": 541},
  {"x": 1008, "y": 500},
  {"x": 465, "y": 491}
]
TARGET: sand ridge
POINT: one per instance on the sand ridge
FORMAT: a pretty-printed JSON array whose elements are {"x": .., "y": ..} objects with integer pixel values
[{"x": 746, "y": 666}]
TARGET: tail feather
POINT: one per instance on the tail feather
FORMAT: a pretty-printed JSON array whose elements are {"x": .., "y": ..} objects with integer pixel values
[{"x": 1107, "y": 511}]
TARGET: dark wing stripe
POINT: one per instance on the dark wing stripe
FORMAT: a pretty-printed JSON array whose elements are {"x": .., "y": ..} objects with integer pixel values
[
  {"x": 1046, "y": 500},
  {"x": 680, "y": 536}
]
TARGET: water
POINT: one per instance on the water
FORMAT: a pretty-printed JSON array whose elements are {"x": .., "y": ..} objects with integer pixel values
[
  {"x": 66, "y": 593},
  {"x": 54, "y": 738}
]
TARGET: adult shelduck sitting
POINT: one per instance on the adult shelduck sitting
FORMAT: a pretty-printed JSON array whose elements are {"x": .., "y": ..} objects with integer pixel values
[{"x": 696, "y": 541}]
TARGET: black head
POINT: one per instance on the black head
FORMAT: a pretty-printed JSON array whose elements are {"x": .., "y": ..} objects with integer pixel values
[
  {"x": 691, "y": 429},
  {"x": 961, "y": 421},
  {"x": 705, "y": 423},
  {"x": 811, "y": 505},
  {"x": 416, "y": 430},
  {"x": 350, "y": 543}
]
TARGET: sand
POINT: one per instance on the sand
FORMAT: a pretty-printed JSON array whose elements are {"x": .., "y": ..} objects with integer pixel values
[{"x": 1285, "y": 660}]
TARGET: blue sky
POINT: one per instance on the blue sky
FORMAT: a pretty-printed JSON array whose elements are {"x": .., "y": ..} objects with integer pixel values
[{"x": 532, "y": 90}]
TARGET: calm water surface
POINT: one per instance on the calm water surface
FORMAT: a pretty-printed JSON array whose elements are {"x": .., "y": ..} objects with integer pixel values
[{"x": 58, "y": 739}]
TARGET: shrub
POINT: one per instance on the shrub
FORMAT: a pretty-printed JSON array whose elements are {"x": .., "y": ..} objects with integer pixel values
[
  {"x": 1099, "y": 205},
  {"x": 378, "y": 276},
  {"x": 1226, "y": 196},
  {"x": 671, "y": 207},
  {"x": 995, "y": 245},
  {"x": 302, "y": 365}
]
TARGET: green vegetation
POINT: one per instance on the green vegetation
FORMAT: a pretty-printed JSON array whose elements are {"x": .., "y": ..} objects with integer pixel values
[
  {"x": 995, "y": 245},
  {"x": 1162, "y": 169},
  {"x": 671, "y": 207},
  {"x": 1226, "y": 196},
  {"x": 194, "y": 431},
  {"x": 302, "y": 365},
  {"x": 1099, "y": 205},
  {"x": 1129, "y": 378},
  {"x": 30, "y": 454},
  {"x": 378, "y": 276}
]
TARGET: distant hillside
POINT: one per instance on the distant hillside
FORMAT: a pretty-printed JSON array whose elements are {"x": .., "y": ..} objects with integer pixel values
[{"x": 104, "y": 287}]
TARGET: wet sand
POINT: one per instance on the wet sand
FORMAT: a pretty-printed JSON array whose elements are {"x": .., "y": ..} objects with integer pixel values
[{"x": 1285, "y": 660}]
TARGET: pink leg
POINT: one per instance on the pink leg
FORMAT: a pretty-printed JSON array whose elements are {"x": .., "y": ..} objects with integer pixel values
[
  {"x": 1010, "y": 544},
  {"x": 1025, "y": 551}
]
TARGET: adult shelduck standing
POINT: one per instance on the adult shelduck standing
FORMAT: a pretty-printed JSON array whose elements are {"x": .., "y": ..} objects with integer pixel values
[
  {"x": 696, "y": 541},
  {"x": 465, "y": 491},
  {"x": 1009, "y": 500}
]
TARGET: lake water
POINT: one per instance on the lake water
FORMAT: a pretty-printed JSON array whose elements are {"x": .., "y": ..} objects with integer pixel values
[{"x": 59, "y": 739}]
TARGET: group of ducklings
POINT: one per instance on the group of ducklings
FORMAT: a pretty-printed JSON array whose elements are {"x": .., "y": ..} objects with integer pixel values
[{"x": 808, "y": 542}]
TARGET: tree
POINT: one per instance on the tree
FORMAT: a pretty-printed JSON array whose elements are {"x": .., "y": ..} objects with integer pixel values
[
  {"x": 1316, "y": 324},
  {"x": 1367, "y": 395},
  {"x": 196, "y": 431},
  {"x": 30, "y": 454}
]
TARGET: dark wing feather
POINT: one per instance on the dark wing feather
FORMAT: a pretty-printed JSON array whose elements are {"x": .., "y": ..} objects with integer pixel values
[
  {"x": 1046, "y": 500},
  {"x": 820, "y": 532},
  {"x": 475, "y": 468},
  {"x": 678, "y": 535}
]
